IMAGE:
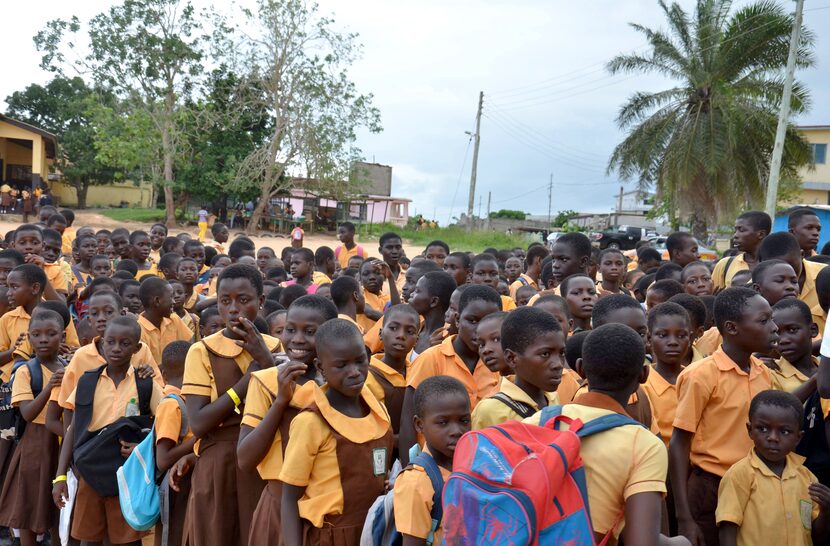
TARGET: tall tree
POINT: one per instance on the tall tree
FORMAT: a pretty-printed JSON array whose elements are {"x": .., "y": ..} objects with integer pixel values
[
  {"x": 297, "y": 64},
  {"x": 705, "y": 144},
  {"x": 63, "y": 107},
  {"x": 146, "y": 52}
]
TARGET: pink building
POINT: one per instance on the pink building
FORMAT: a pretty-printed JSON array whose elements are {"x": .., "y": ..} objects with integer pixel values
[{"x": 363, "y": 209}]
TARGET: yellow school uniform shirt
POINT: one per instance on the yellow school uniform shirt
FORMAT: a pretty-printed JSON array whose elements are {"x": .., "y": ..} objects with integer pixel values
[
  {"x": 568, "y": 386},
  {"x": 67, "y": 238},
  {"x": 709, "y": 342},
  {"x": 372, "y": 338},
  {"x": 492, "y": 411},
  {"x": 721, "y": 277},
  {"x": 515, "y": 285},
  {"x": 375, "y": 301},
  {"x": 788, "y": 378},
  {"x": 819, "y": 318},
  {"x": 388, "y": 372},
  {"x": 169, "y": 418},
  {"x": 220, "y": 248},
  {"x": 56, "y": 276},
  {"x": 413, "y": 502},
  {"x": 88, "y": 358},
  {"x": 696, "y": 354},
  {"x": 152, "y": 270},
  {"x": 12, "y": 325},
  {"x": 191, "y": 320},
  {"x": 22, "y": 389},
  {"x": 171, "y": 329},
  {"x": 345, "y": 254},
  {"x": 318, "y": 278},
  {"x": 154, "y": 257},
  {"x": 262, "y": 391},
  {"x": 768, "y": 509},
  {"x": 353, "y": 321},
  {"x": 507, "y": 303},
  {"x": 311, "y": 454},
  {"x": 198, "y": 375},
  {"x": 619, "y": 463},
  {"x": 110, "y": 401},
  {"x": 808, "y": 292},
  {"x": 443, "y": 360},
  {"x": 663, "y": 398},
  {"x": 713, "y": 397}
]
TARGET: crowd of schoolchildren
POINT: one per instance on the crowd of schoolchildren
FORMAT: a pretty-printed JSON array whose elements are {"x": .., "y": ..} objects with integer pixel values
[{"x": 291, "y": 396}]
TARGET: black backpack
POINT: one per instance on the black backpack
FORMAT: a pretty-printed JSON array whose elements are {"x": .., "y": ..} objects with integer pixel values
[
  {"x": 97, "y": 454},
  {"x": 813, "y": 444},
  {"x": 36, "y": 375}
]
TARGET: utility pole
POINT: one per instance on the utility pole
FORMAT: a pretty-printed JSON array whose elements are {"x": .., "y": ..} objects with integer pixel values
[
  {"x": 550, "y": 197},
  {"x": 479, "y": 207},
  {"x": 619, "y": 206},
  {"x": 489, "y": 195},
  {"x": 783, "y": 114},
  {"x": 474, "y": 170}
]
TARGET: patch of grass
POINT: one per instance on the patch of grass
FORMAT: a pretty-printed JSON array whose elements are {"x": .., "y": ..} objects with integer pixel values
[
  {"x": 456, "y": 237},
  {"x": 135, "y": 215}
]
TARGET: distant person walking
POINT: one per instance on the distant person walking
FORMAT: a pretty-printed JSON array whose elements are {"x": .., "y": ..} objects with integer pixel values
[{"x": 203, "y": 223}]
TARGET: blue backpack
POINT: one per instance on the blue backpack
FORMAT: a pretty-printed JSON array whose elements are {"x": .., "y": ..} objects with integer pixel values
[
  {"x": 138, "y": 489},
  {"x": 380, "y": 529}
]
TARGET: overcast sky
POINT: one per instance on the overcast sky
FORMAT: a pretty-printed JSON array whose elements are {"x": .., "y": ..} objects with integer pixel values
[{"x": 549, "y": 105}]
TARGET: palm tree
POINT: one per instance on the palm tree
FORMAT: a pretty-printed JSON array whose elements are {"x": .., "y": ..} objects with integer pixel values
[{"x": 705, "y": 144}]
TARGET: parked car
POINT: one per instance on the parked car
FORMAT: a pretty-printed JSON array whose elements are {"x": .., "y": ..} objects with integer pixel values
[{"x": 623, "y": 237}]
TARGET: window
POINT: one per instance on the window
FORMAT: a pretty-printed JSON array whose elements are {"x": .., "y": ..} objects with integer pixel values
[{"x": 819, "y": 153}]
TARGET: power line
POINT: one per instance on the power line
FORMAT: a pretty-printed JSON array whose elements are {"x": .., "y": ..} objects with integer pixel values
[{"x": 460, "y": 174}]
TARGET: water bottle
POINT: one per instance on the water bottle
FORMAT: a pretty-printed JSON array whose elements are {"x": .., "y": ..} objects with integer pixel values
[{"x": 132, "y": 408}]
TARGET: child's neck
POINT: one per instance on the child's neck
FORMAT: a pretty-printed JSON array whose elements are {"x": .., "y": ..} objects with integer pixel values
[
  {"x": 349, "y": 244},
  {"x": 51, "y": 362},
  {"x": 117, "y": 372},
  {"x": 805, "y": 364},
  {"x": 582, "y": 323},
  {"x": 305, "y": 280},
  {"x": 434, "y": 319},
  {"x": 349, "y": 309},
  {"x": 669, "y": 372},
  {"x": 179, "y": 311},
  {"x": 351, "y": 406},
  {"x": 534, "y": 392},
  {"x": 310, "y": 374},
  {"x": 469, "y": 357},
  {"x": 397, "y": 364},
  {"x": 375, "y": 291},
  {"x": 29, "y": 307},
  {"x": 444, "y": 461},
  {"x": 533, "y": 272},
  {"x": 611, "y": 286},
  {"x": 739, "y": 355},
  {"x": 777, "y": 468},
  {"x": 395, "y": 267},
  {"x": 751, "y": 255},
  {"x": 175, "y": 381},
  {"x": 154, "y": 316},
  {"x": 84, "y": 265},
  {"x": 188, "y": 290}
]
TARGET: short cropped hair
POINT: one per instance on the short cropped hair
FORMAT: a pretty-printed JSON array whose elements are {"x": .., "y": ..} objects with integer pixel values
[
  {"x": 666, "y": 309},
  {"x": 442, "y": 244},
  {"x": 192, "y": 244},
  {"x": 129, "y": 266},
  {"x": 170, "y": 259},
  {"x": 127, "y": 322},
  {"x": 434, "y": 387},
  {"x": 32, "y": 274},
  {"x": 175, "y": 353},
  {"x": 288, "y": 294},
  {"x": 579, "y": 242},
  {"x": 797, "y": 214},
  {"x": 134, "y": 236},
  {"x": 463, "y": 256},
  {"x": 479, "y": 292},
  {"x": 683, "y": 274},
  {"x": 559, "y": 301},
  {"x": 573, "y": 347},
  {"x": 483, "y": 257},
  {"x": 348, "y": 226},
  {"x": 169, "y": 244},
  {"x": 566, "y": 282},
  {"x": 151, "y": 288},
  {"x": 730, "y": 304},
  {"x": 217, "y": 227},
  {"x": 13, "y": 255},
  {"x": 337, "y": 329},
  {"x": 58, "y": 307},
  {"x": 401, "y": 308},
  {"x": 239, "y": 247},
  {"x": 609, "y": 304},
  {"x": 440, "y": 285},
  {"x": 693, "y": 305},
  {"x": 668, "y": 287},
  {"x": 242, "y": 271},
  {"x": 676, "y": 240},
  {"x": 761, "y": 270},
  {"x": 793, "y": 303},
  {"x": 44, "y": 314},
  {"x": 612, "y": 357},
  {"x": 27, "y": 228},
  {"x": 778, "y": 399},
  {"x": 113, "y": 297},
  {"x": 388, "y": 236},
  {"x": 68, "y": 215},
  {"x": 759, "y": 220},
  {"x": 320, "y": 304},
  {"x": 667, "y": 271},
  {"x": 342, "y": 289},
  {"x": 523, "y": 326},
  {"x": 649, "y": 254},
  {"x": 56, "y": 218},
  {"x": 778, "y": 245},
  {"x": 209, "y": 313},
  {"x": 536, "y": 251}
]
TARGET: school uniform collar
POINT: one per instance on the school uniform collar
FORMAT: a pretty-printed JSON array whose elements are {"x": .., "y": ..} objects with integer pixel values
[
  {"x": 788, "y": 370},
  {"x": 599, "y": 401},
  {"x": 130, "y": 371},
  {"x": 358, "y": 430},
  {"x": 726, "y": 364},
  {"x": 171, "y": 389},
  {"x": 658, "y": 382},
  {"x": 194, "y": 298},
  {"x": 348, "y": 318},
  {"x": 19, "y": 312},
  {"x": 811, "y": 269},
  {"x": 793, "y": 462},
  {"x": 509, "y": 388},
  {"x": 696, "y": 354},
  {"x": 391, "y": 374},
  {"x": 144, "y": 321},
  {"x": 227, "y": 347}
]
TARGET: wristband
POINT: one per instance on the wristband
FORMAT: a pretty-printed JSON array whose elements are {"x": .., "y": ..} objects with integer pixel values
[
  {"x": 58, "y": 479},
  {"x": 235, "y": 399}
]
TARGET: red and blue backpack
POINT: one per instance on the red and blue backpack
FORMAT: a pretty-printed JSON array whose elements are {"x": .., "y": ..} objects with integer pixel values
[{"x": 518, "y": 484}]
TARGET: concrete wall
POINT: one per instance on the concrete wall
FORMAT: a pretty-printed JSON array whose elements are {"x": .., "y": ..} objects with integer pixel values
[
  {"x": 110, "y": 195},
  {"x": 377, "y": 178},
  {"x": 12, "y": 154},
  {"x": 816, "y": 182}
]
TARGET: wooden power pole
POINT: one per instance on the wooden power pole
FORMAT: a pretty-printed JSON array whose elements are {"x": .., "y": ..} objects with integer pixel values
[{"x": 474, "y": 170}]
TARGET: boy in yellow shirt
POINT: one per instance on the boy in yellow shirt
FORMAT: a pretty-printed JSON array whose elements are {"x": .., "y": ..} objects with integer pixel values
[
  {"x": 534, "y": 349},
  {"x": 159, "y": 325},
  {"x": 769, "y": 497},
  {"x": 442, "y": 416}
]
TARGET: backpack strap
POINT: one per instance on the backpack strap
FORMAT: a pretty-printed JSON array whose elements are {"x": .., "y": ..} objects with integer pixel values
[
  {"x": 521, "y": 408},
  {"x": 726, "y": 269},
  {"x": 594, "y": 426},
  {"x": 35, "y": 375},
  {"x": 84, "y": 396},
  {"x": 429, "y": 465},
  {"x": 523, "y": 281},
  {"x": 144, "y": 386}
]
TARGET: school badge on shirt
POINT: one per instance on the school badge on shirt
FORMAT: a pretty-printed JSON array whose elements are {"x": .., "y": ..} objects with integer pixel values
[
  {"x": 806, "y": 514},
  {"x": 379, "y": 461}
]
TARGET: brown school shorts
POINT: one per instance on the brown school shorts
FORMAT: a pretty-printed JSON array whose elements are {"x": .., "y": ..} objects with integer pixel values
[{"x": 95, "y": 517}]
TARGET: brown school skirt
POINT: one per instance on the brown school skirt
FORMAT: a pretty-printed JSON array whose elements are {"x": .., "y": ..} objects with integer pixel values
[
  {"x": 26, "y": 501},
  {"x": 702, "y": 492},
  {"x": 265, "y": 526},
  {"x": 95, "y": 517},
  {"x": 222, "y": 496}
]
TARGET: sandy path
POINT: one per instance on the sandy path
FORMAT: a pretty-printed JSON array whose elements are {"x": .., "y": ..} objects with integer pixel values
[{"x": 277, "y": 242}]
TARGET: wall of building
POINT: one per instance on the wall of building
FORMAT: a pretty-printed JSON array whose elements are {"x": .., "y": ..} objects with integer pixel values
[
  {"x": 816, "y": 181},
  {"x": 13, "y": 154},
  {"x": 110, "y": 195},
  {"x": 377, "y": 178}
]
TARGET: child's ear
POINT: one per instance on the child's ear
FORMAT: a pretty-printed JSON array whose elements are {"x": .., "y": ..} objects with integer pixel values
[
  {"x": 813, "y": 330},
  {"x": 698, "y": 333},
  {"x": 579, "y": 369},
  {"x": 570, "y": 325},
  {"x": 418, "y": 423},
  {"x": 319, "y": 367},
  {"x": 755, "y": 286},
  {"x": 261, "y": 300},
  {"x": 731, "y": 327},
  {"x": 510, "y": 357},
  {"x": 748, "y": 428},
  {"x": 644, "y": 374},
  {"x": 434, "y": 302}
]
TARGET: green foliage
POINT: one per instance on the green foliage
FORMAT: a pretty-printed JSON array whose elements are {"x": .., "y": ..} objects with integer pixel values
[
  {"x": 509, "y": 214},
  {"x": 562, "y": 217},
  {"x": 63, "y": 107},
  {"x": 456, "y": 237},
  {"x": 135, "y": 215},
  {"x": 705, "y": 144}
]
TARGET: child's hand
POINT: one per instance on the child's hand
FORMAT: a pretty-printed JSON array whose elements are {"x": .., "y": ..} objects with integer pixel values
[
  {"x": 820, "y": 494},
  {"x": 60, "y": 492},
  {"x": 145, "y": 370},
  {"x": 55, "y": 380},
  {"x": 20, "y": 339},
  {"x": 127, "y": 448},
  {"x": 35, "y": 259},
  {"x": 437, "y": 337},
  {"x": 384, "y": 268},
  {"x": 181, "y": 469},
  {"x": 253, "y": 343},
  {"x": 286, "y": 380}
]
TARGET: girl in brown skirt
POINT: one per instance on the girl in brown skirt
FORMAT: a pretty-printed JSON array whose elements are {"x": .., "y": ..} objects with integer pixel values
[
  {"x": 275, "y": 397},
  {"x": 338, "y": 456},
  {"x": 216, "y": 375},
  {"x": 26, "y": 501}
]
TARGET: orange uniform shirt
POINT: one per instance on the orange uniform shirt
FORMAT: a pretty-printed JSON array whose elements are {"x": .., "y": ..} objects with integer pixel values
[{"x": 172, "y": 329}]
